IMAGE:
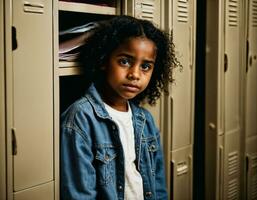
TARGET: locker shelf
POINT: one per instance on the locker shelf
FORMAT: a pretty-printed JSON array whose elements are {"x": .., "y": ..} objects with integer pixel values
[
  {"x": 63, "y": 64},
  {"x": 86, "y": 8},
  {"x": 68, "y": 71}
]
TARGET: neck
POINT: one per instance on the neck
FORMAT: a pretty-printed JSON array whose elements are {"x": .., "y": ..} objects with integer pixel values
[
  {"x": 112, "y": 100},
  {"x": 118, "y": 106}
]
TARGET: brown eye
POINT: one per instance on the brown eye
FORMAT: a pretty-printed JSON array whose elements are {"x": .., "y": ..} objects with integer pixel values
[
  {"x": 124, "y": 62},
  {"x": 146, "y": 66}
]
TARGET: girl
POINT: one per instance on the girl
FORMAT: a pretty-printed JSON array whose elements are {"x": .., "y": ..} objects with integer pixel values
[{"x": 110, "y": 147}]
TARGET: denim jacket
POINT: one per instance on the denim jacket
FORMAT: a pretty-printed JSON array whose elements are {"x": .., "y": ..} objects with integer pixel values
[{"x": 92, "y": 158}]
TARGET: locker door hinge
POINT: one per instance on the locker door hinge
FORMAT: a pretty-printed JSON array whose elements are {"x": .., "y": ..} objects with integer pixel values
[{"x": 14, "y": 142}]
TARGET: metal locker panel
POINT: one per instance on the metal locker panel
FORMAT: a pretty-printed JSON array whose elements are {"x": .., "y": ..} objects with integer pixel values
[
  {"x": 214, "y": 100},
  {"x": 232, "y": 68},
  {"x": 251, "y": 99},
  {"x": 181, "y": 170},
  {"x": 42, "y": 192},
  {"x": 251, "y": 75},
  {"x": 32, "y": 93},
  {"x": 182, "y": 97}
]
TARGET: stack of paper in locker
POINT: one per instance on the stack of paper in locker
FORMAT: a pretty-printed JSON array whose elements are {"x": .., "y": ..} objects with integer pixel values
[
  {"x": 94, "y": 2},
  {"x": 72, "y": 39}
]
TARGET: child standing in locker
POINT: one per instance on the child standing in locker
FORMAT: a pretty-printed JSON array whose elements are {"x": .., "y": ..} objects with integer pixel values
[{"x": 110, "y": 146}]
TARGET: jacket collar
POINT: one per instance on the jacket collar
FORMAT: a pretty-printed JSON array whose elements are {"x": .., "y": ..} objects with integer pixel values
[{"x": 96, "y": 101}]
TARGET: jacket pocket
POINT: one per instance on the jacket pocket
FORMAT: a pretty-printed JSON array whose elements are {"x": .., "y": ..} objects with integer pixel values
[
  {"x": 105, "y": 161},
  {"x": 152, "y": 147}
]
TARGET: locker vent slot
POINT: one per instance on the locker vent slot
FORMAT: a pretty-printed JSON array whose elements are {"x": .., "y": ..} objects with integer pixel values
[
  {"x": 182, "y": 11},
  {"x": 148, "y": 10},
  {"x": 233, "y": 189},
  {"x": 254, "y": 187},
  {"x": 233, "y": 12},
  {"x": 254, "y": 162},
  {"x": 37, "y": 8},
  {"x": 254, "y": 13},
  {"x": 233, "y": 163}
]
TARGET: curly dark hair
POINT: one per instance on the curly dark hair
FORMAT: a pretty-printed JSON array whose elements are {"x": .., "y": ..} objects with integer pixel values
[{"x": 111, "y": 33}]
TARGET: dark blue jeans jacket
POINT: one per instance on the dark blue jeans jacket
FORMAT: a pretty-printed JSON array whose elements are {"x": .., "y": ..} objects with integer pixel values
[{"x": 92, "y": 158}]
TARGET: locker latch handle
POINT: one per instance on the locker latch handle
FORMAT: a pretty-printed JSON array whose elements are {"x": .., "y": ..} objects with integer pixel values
[
  {"x": 14, "y": 142},
  {"x": 247, "y": 56},
  {"x": 225, "y": 62},
  {"x": 14, "y": 39}
]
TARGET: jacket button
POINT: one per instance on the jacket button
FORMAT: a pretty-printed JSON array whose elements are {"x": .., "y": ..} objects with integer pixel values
[
  {"x": 148, "y": 194},
  {"x": 113, "y": 127},
  {"x": 120, "y": 187},
  {"x": 152, "y": 147},
  {"x": 106, "y": 157}
]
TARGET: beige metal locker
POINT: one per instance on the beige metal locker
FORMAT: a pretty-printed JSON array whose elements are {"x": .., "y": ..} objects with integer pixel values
[
  {"x": 232, "y": 104},
  {"x": 214, "y": 127},
  {"x": 29, "y": 99},
  {"x": 179, "y": 120},
  {"x": 250, "y": 102},
  {"x": 224, "y": 89}
]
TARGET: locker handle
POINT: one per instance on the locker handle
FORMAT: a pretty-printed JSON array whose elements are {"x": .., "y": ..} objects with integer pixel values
[
  {"x": 14, "y": 142},
  {"x": 14, "y": 38},
  {"x": 247, "y": 56},
  {"x": 225, "y": 62}
]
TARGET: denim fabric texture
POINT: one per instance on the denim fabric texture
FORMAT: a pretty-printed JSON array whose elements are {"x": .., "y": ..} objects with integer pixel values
[{"x": 92, "y": 158}]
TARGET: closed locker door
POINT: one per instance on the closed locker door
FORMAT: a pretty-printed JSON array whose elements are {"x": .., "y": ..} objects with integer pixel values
[
  {"x": 32, "y": 92},
  {"x": 232, "y": 109},
  {"x": 251, "y": 99},
  {"x": 180, "y": 102}
]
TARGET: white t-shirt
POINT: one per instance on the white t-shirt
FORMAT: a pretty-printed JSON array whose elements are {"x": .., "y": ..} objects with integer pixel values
[{"x": 133, "y": 179}]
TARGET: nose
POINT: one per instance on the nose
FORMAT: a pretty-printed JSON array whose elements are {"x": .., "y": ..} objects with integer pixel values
[{"x": 134, "y": 72}]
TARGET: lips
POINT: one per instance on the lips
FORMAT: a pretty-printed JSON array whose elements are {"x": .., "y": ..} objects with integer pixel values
[{"x": 131, "y": 87}]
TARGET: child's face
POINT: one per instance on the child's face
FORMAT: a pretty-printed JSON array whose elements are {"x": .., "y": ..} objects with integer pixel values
[{"x": 129, "y": 68}]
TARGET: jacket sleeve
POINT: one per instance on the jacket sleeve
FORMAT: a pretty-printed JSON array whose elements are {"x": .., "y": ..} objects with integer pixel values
[{"x": 78, "y": 177}]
